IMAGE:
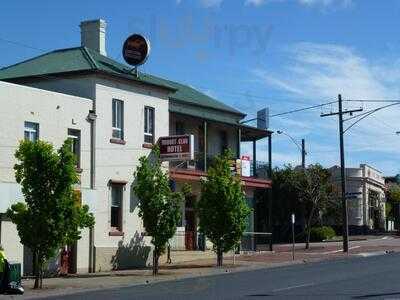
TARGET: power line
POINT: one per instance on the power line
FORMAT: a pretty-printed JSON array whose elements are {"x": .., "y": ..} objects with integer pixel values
[
  {"x": 365, "y": 115},
  {"x": 16, "y": 43},
  {"x": 302, "y": 109},
  {"x": 239, "y": 94},
  {"x": 372, "y": 100}
]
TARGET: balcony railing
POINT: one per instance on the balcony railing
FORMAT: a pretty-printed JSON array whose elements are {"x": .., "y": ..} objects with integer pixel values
[
  {"x": 261, "y": 169},
  {"x": 198, "y": 165}
]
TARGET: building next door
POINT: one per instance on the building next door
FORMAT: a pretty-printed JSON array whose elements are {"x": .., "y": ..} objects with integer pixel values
[{"x": 190, "y": 224}]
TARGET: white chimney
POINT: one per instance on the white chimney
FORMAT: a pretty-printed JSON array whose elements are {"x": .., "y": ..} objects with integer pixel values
[{"x": 93, "y": 35}]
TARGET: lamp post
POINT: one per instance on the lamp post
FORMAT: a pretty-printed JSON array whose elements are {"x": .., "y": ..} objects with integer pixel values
[{"x": 302, "y": 148}]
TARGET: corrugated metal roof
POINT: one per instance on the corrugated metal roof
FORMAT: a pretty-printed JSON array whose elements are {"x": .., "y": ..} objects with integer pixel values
[{"x": 82, "y": 59}]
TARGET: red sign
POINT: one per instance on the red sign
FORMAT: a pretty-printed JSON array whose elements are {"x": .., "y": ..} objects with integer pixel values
[{"x": 177, "y": 147}]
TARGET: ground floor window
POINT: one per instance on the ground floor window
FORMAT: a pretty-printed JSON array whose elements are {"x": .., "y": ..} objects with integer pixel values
[{"x": 116, "y": 206}]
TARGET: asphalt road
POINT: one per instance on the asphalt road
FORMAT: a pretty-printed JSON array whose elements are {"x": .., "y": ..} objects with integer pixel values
[{"x": 375, "y": 277}]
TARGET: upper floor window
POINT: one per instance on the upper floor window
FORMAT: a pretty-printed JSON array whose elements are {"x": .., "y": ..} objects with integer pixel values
[
  {"x": 149, "y": 125},
  {"x": 117, "y": 119},
  {"x": 31, "y": 131},
  {"x": 224, "y": 141},
  {"x": 179, "y": 128},
  {"x": 75, "y": 136}
]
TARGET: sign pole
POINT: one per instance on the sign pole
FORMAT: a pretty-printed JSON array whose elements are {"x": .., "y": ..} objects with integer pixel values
[{"x": 293, "y": 240}]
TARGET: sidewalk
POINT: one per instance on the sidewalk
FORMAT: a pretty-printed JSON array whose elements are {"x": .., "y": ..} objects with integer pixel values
[{"x": 188, "y": 264}]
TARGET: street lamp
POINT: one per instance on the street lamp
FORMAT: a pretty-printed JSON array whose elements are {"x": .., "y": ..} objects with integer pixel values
[{"x": 302, "y": 148}]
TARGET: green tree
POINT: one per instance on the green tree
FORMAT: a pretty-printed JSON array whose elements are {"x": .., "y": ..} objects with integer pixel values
[
  {"x": 50, "y": 217},
  {"x": 286, "y": 198},
  {"x": 315, "y": 192},
  {"x": 392, "y": 201},
  {"x": 159, "y": 206},
  {"x": 222, "y": 208}
]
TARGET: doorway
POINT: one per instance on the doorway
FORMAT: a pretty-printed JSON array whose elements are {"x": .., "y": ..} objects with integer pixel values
[{"x": 190, "y": 224}]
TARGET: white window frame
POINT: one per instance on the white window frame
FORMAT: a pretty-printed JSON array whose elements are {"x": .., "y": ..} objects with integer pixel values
[
  {"x": 149, "y": 133},
  {"x": 76, "y": 137},
  {"x": 31, "y": 131},
  {"x": 118, "y": 125},
  {"x": 119, "y": 226}
]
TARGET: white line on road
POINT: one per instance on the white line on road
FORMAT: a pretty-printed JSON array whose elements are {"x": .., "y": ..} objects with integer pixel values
[
  {"x": 370, "y": 254},
  {"x": 331, "y": 252},
  {"x": 292, "y": 287}
]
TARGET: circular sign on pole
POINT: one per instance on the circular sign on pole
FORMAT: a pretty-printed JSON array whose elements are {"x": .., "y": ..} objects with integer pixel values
[{"x": 136, "y": 50}]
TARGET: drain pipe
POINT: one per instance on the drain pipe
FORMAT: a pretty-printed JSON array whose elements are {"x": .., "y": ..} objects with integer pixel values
[{"x": 91, "y": 118}]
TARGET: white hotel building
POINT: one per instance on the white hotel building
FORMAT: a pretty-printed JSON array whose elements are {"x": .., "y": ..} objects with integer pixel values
[{"x": 114, "y": 117}]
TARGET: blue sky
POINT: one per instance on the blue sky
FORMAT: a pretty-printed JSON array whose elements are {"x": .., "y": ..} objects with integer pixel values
[{"x": 284, "y": 54}]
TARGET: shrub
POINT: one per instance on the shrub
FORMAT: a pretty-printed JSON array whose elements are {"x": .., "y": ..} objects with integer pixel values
[{"x": 318, "y": 234}]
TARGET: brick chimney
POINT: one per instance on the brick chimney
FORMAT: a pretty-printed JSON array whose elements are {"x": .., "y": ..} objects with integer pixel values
[{"x": 93, "y": 35}]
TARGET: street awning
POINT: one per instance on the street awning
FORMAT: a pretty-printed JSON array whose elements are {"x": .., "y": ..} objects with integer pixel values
[{"x": 250, "y": 133}]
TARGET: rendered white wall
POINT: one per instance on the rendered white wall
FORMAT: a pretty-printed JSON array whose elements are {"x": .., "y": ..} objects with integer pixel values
[
  {"x": 54, "y": 112},
  {"x": 9, "y": 239}
]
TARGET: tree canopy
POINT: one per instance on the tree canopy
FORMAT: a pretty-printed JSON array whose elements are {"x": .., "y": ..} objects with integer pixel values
[
  {"x": 308, "y": 193},
  {"x": 222, "y": 208},
  {"x": 159, "y": 206},
  {"x": 51, "y": 216}
]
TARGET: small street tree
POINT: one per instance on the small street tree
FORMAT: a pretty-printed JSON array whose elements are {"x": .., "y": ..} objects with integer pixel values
[
  {"x": 222, "y": 209},
  {"x": 315, "y": 192},
  {"x": 159, "y": 206},
  {"x": 392, "y": 202},
  {"x": 50, "y": 217}
]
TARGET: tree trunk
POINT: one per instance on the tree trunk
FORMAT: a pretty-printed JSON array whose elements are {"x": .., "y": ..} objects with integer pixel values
[
  {"x": 41, "y": 276},
  {"x": 219, "y": 257},
  {"x": 40, "y": 273},
  {"x": 35, "y": 261},
  {"x": 308, "y": 233},
  {"x": 155, "y": 262},
  {"x": 308, "y": 228}
]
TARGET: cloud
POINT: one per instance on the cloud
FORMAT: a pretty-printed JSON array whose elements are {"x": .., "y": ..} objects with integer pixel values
[
  {"x": 343, "y": 3},
  {"x": 318, "y": 72},
  {"x": 254, "y": 2},
  {"x": 211, "y": 3}
]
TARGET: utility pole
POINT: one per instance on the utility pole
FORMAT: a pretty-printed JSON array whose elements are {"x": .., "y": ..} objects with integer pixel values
[
  {"x": 340, "y": 113},
  {"x": 303, "y": 154}
]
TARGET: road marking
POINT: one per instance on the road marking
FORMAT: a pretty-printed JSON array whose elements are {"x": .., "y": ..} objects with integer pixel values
[
  {"x": 292, "y": 287},
  {"x": 370, "y": 254},
  {"x": 331, "y": 252}
]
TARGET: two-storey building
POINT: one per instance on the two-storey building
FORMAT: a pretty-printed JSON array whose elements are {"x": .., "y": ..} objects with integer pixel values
[
  {"x": 365, "y": 189},
  {"x": 116, "y": 115}
]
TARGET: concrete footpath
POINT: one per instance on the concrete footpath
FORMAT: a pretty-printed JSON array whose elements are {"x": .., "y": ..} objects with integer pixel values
[{"x": 187, "y": 264}]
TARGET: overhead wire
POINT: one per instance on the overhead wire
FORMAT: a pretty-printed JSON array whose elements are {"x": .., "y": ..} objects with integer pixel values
[
  {"x": 302, "y": 109},
  {"x": 366, "y": 114},
  {"x": 234, "y": 93}
]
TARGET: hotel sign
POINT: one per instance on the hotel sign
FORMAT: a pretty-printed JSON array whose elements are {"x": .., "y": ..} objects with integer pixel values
[{"x": 177, "y": 147}]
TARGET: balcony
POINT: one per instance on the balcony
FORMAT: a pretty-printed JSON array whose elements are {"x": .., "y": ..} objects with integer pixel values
[{"x": 196, "y": 168}]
